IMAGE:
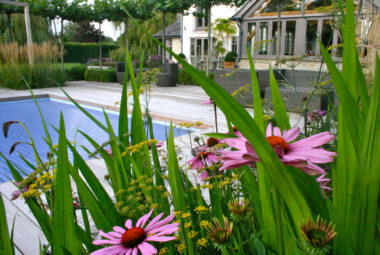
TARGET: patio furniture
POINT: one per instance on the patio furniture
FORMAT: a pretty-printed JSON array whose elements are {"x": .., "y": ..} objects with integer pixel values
[
  {"x": 120, "y": 71},
  {"x": 169, "y": 75}
]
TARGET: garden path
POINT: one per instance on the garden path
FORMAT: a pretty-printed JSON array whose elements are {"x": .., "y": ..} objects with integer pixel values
[{"x": 180, "y": 104}]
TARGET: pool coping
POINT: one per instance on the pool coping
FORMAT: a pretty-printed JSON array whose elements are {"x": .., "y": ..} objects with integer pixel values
[{"x": 98, "y": 105}]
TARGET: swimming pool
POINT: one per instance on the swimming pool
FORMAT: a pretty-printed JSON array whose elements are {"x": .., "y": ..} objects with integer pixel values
[{"x": 26, "y": 112}]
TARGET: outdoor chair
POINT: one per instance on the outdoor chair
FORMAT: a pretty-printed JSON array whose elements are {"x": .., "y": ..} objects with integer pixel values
[{"x": 169, "y": 75}]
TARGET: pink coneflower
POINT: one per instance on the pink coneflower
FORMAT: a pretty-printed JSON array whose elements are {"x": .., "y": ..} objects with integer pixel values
[
  {"x": 301, "y": 154},
  {"x": 206, "y": 102},
  {"x": 203, "y": 158},
  {"x": 130, "y": 240}
]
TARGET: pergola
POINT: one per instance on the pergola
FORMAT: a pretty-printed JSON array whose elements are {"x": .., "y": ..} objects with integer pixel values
[{"x": 27, "y": 25}]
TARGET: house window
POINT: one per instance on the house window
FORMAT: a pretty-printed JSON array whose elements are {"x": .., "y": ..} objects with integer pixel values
[
  {"x": 251, "y": 35},
  {"x": 235, "y": 44},
  {"x": 263, "y": 46},
  {"x": 311, "y": 37},
  {"x": 327, "y": 33},
  {"x": 274, "y": 37},
  {"x": 201, "y": 21},
  {"x": 199, "y": 48},
  {"x": 289, "y": 37}
]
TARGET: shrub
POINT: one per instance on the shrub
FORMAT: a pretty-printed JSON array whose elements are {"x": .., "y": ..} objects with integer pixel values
[
  {"x": 75, "y": 72},
  {"x": 101, "y": 75},
  {"x": 81, "y": 52},
  {"x": 230, "y": 56},
  {"x": 181, "y": 55}
]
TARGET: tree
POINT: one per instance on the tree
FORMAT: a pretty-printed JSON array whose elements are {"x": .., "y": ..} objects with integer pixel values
[
  {"x": 223, "y": 29},
  {"x": 86, "y": 32},
  {"x": 75, "y": 11},
  {"x": 8, "y": 10},
  {"x": 113, "y": 10},
  {"x": 207, "y": 5},
  {"x": 170, "y": 6}
]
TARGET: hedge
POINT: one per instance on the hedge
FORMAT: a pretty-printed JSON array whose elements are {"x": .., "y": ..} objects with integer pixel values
[
  {"x": 75, "y": 72},
  {"x": 81, "y": 52},
  {"x": 101, "y": 75}
]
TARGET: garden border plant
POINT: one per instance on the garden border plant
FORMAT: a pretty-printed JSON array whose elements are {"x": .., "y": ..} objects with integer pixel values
[{"x": 284, "y": 210}]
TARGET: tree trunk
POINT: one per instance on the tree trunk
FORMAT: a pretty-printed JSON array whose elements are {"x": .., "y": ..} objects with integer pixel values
[
  {"x": 10, "y": 27},
  {"x": 278, "y": 31},
  {"x": 163, "y": 37},
  {"x": 126, "y": 33},
  {"x": 62, "y": 50},
  {"x": 209, "y": 40},
  {"x": 100, "y": 45}
]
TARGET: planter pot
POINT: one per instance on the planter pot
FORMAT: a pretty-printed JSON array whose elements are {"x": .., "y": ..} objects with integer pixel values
[
  {"x": 169, "y": 75},
  {"x": 229, "y": 64}
]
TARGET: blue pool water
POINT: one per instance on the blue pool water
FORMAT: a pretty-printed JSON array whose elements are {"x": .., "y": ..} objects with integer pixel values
[{"x": 26, "y": 112}]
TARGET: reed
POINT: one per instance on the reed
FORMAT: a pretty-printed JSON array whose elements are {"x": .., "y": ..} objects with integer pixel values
[{"x": 14, "y": 66}]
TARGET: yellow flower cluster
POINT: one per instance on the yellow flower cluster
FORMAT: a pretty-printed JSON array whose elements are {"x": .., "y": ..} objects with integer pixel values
[
  {"x": 164, "y": 250},
  {"x": 185, "y": 215},
  {"x": 200, "y": 209},
  {"x": 267, "y": 117},
  {"x": 205, "y": 224},
  {"x": 202, "y": 242},
  {"x": 193, "y": 189},
  {"x": 192, "y": 234},
  {"x": 188, "y": 224},
  {"x": 181, "y": 247},
  {"x": 240, "y": 90},
  {"x": 226, "y": 182},
  {"x": 189, "y": 124},
  {"x": 31, "y": 193},
  {"x": 137, "y": 147},
  {"x": 208, "y": 186}
]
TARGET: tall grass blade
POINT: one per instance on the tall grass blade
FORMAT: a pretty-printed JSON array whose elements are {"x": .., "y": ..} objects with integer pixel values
[
  {"x": 278, "y": 104},
  {"x": 64, "y": 237},
  {"x": 6, "y": 245}
]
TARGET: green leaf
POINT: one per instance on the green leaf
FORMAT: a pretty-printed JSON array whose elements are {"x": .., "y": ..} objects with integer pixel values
[
  {"x": 257, "y": 104},
  {"x": 219, "y": 135},
  {"x": 5, "y": 241},
  {"x": 107, "y": 205},
  {"x": 64, "y": 237},
  {"x": 278, "y": 104}
]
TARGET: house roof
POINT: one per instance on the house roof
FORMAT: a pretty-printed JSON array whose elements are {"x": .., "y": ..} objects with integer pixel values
[
  {"x": 251, "y": 6},
  {"x": 172, "y": 31},
  {"x": 244, "y": 9}
]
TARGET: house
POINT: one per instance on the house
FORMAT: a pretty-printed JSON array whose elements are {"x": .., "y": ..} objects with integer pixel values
[
  {"x": 172, "y": 37},
  {"x": 302, "y": 25},
  {"x": 188, "y": 35}
]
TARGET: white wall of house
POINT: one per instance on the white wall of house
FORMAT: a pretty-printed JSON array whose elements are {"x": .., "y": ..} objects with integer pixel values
[{"x": 189, "y": 29}]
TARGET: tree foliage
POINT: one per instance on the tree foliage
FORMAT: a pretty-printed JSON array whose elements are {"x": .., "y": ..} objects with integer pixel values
[{"x": 140, "y": 41}]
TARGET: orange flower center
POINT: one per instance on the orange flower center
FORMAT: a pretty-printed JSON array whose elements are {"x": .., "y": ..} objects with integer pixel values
[
  {"x": 234, "y": 128},
  {"x": 212, "y": 142},
  {"x": 133, "y": 237},
  {"x": 276, "y": 141},
  {"x": 201, "y": 155}
]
